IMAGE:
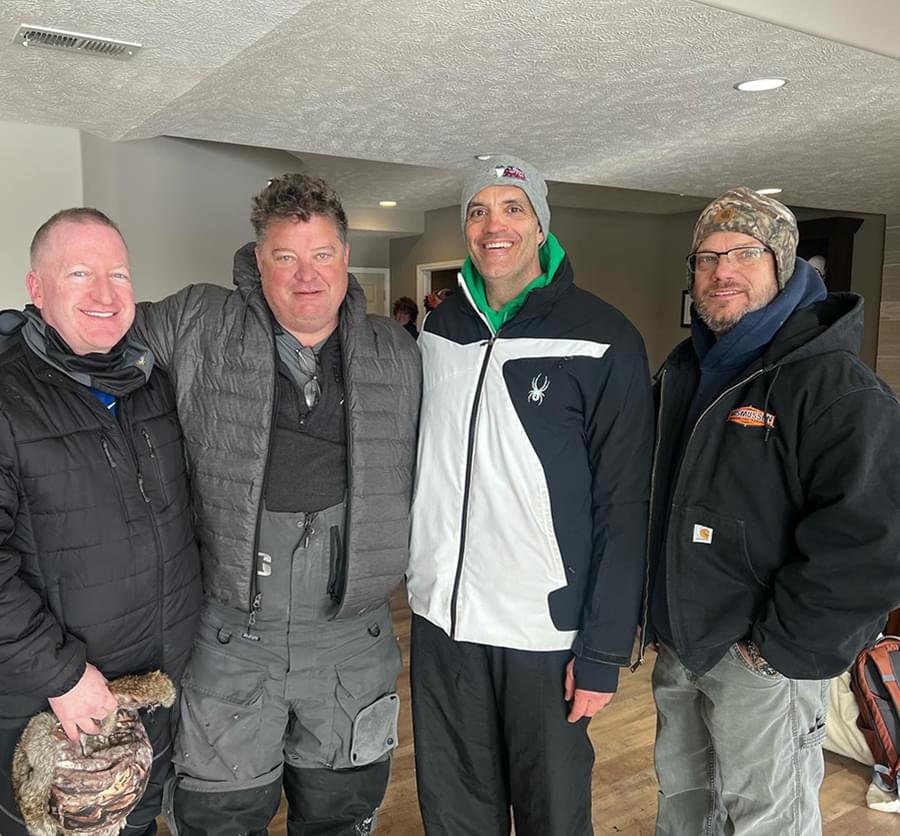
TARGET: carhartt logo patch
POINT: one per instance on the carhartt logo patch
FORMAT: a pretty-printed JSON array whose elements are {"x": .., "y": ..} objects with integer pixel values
[
  {"x": 512, "y": 171},
  {"x": 703, "y": 534},
  {"x": 751, "y": 416}
]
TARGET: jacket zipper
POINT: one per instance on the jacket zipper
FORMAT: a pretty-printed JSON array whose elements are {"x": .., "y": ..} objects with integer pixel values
[
  {"x": 126, "y": 428},
  {"x": 473, "y": 420},
  {"x": 255, "y": 600},
  {"x": 151, "y": 451},
  {"x": 127, "y": 432},
  {"x": 681, "y": 469},
  {"x": 341, "y": 594},
  {"x": 642, "y": 645},
  {"x": 104, "y": 443}
]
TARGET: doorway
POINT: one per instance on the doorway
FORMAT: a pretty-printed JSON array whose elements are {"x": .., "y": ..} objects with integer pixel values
[{"x": 435, "y": 275}]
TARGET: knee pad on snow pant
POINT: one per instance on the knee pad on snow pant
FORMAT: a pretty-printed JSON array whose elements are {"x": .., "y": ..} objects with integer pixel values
[{"x": 334, "y": 802}]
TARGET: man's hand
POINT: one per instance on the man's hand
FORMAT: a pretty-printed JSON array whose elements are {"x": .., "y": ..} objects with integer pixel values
[
  {"x": 584, "y": 703},
  {"x": 83, "y": 705}
]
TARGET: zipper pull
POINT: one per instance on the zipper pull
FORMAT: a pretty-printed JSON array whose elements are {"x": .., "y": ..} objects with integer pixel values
[
  {"x": 308, "y": 530},
  {"x": 140, "y": 481},
  {"x": 251, "y": 620},
  {"x": 105, "y": 445},
  {"x": 150, "y": 449}
]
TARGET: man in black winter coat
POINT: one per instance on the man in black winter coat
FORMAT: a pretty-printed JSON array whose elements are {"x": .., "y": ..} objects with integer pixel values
[
  {"x": 774, "y": 541},
  {"x": 99, "y": 569}
]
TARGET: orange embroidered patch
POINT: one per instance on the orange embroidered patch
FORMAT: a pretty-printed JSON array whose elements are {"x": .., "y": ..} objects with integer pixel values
[{"x": 751, "y": 416}]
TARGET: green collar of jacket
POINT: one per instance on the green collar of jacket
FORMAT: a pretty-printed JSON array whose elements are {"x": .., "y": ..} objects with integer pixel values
[{"x": 550, "y": 255}]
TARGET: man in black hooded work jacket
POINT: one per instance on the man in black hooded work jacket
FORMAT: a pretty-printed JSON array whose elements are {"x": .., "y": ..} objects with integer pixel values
[{"x": 775, "y": 542}]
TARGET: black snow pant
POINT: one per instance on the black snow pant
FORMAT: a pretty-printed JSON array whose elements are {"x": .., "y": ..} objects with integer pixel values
[{"x": 491, "y": 737}]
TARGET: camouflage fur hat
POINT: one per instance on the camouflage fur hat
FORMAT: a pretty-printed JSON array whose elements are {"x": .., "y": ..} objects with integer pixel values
[
  {"x": 743, "y": 210},
  {"x": 90, "y": 786}
]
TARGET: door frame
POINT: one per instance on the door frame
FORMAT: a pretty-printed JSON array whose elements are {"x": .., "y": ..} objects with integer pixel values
[
  {"x": 385, "y": 273},
  {"x": 423, "y": 276}
]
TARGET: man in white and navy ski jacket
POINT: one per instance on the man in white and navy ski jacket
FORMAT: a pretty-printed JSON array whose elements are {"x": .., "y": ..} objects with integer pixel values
[{"x": 529, "y": 522}]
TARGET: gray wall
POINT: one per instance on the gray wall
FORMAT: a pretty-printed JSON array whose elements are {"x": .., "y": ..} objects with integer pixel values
[
  {"x": 42, "y": 174},
  {"x": 636, "y": 262},
  {"x": 183, "y": 206},
  {"x": 620, "y": 256}
]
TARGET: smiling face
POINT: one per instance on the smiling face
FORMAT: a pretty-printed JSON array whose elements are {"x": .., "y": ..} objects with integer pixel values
[
  {"x": 303, "y": 267},
  {"x": 728, "y": 293},
  {"x": 80, "y": 281},
  {"x": 503, "y": 237}
]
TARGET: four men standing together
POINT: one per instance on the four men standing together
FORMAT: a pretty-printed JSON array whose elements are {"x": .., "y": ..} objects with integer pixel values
[{"x": 772, "y": 546}]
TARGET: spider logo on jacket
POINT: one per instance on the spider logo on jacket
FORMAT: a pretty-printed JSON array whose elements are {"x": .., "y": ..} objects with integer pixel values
[{"x": 538, "y": 389}]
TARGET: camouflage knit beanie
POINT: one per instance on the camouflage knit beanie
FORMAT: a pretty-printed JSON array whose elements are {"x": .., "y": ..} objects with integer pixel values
[
  {"x": 88, "y": 787},
  {"x": 743, "y": 210}
]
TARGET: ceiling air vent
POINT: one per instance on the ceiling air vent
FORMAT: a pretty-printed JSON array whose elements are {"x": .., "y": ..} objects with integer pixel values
[{"x": 75, "y": 42}]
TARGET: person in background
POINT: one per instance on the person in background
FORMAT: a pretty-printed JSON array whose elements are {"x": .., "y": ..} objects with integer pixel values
[
  {"x": 775, "y": 539},
  {"x": 406, "y": 312},
  {"x": 99, "y": 569}
]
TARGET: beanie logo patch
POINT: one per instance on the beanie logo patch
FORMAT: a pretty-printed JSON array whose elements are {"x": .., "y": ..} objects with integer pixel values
[
  {"x": 751, "y": 416},
  {"x": 724, "y": 215},
  {"x": 511, "y": 171}
]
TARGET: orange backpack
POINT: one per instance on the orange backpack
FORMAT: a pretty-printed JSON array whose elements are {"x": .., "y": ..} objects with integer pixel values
[{"x": 874, "y": 682}]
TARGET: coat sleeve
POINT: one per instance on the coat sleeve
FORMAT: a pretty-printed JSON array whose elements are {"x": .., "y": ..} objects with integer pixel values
[
  {"x": 832, "y": 597},
  {"x": 37, "y": 657},
  {"x": 156, "y": 325},
  {"x": 620, "y": 439}
]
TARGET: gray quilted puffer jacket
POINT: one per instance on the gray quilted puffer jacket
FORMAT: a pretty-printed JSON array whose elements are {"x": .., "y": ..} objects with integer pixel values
[{"x": 218, "y": 347}]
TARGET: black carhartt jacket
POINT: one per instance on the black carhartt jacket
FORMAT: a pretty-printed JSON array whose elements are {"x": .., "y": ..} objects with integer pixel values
[{"x": 781, "y": 523}]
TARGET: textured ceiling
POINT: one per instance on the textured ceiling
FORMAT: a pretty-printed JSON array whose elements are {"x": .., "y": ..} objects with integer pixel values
[{"x": 632, "y": 94}]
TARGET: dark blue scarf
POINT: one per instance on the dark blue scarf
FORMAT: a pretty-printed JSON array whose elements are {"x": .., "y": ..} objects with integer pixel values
[{"x": 722, "y": 360}]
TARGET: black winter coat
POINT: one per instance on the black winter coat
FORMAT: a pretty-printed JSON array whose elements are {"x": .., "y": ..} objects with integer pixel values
[
  {"x": 98, "y": 561},
  {"x": 783, "y": 522}
]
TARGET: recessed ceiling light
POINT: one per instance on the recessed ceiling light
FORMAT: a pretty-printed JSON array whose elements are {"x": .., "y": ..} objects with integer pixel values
[
  {"x": 769, "y": 191},
  {"x": 757, "y": 85},
  {"x": 387, "y": 204},
  {"x": 483, "y": 157}
]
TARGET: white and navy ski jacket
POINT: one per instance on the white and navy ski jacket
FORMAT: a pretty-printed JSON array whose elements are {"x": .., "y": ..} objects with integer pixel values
[{"x": 530, "y": 507}]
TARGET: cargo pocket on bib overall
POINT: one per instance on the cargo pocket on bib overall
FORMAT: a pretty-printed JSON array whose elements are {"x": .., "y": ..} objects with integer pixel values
[
  {"x": 367, "y": 705},
  {"x": 221, "y": 703}
]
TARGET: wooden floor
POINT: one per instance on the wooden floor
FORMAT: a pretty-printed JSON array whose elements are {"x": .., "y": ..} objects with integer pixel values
[{"x": 624, "y": 795}]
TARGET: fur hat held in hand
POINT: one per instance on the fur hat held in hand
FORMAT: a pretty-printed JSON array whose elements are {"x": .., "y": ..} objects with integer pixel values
[{"x": 90, "y": 786}]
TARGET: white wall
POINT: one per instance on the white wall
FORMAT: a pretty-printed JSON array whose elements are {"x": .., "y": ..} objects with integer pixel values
[
  {"x": 42, "y": 174},
  {"x": 183, "y": 206}
]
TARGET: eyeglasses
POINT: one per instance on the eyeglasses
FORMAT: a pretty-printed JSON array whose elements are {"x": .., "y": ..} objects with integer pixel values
[
  {"x": 309, "y": 366},
  {"x": 705, "y": 261}
]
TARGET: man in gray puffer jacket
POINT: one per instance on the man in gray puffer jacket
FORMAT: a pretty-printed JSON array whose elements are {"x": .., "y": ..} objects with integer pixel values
[{"x": 299, "y": 411}]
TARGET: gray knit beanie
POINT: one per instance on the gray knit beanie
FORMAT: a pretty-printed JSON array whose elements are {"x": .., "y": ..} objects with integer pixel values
[{"x": 504, "y": 170}]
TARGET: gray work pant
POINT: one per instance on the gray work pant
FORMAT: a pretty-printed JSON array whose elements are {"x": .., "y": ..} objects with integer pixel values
[{"x": 738, "y": 752}]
